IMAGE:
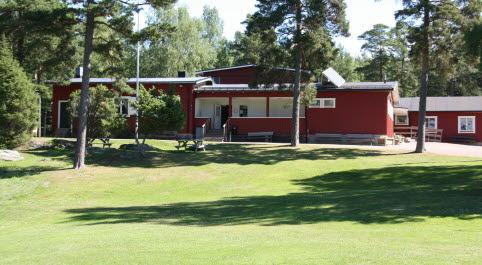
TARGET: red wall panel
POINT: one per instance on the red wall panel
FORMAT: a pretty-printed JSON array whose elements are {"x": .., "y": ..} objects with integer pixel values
[
  {"x": 356, "y": 112},
  {"x": 185, "y": 91},
  {"x": 448, "y": 121}
]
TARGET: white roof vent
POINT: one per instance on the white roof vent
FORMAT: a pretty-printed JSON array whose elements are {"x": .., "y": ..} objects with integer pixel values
[{"x": 334, "y": 77}]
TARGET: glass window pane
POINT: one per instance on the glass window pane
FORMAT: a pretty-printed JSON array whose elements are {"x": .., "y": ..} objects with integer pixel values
[{"x": 329, "y": 103}]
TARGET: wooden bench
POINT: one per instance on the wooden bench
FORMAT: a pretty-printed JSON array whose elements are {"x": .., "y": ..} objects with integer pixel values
[
  {"x": 462, "y": 139},
  {"x": 266, "y": 136},
  {"x": 433, "y": 135}
]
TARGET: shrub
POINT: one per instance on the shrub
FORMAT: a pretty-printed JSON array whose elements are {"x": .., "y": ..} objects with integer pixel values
[
  {"x": 18, "y": 102},
  {"x": 103, "y": 118},
  {"x": 159, "y": 112}
]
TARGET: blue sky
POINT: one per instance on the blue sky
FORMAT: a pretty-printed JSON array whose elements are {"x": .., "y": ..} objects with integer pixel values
[{"x": 362, "y": 14}]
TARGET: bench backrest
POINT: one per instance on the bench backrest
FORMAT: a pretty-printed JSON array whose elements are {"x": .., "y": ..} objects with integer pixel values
[{"x": 260, "y": 134}]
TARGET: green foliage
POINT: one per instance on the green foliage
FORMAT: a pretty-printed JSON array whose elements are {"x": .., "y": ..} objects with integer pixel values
[
  {"x": 192, "y": 46},
  {"x": 378, "y": 42},
  {"x": 320, "y": 22},
  {"x": 473, "y": 39},
  {"x": 159, "y": 112},
  {"x": 347, "y": 66},
  {"x": 42, "y": 37},
  {"x": 308, "y": 94},
  {"x": 103, "y": 117},
  {"x": 18, "y": 101},
  {"x": 453, "y": 67},
  {"x": 260, "y": 48}
]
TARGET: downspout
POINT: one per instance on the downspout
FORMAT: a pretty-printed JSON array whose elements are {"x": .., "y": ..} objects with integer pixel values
[{"x": 306, "y": 124}]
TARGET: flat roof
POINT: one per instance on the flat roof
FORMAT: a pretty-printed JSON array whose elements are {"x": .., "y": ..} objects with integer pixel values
[
  {"x": 444, "y": 103},
  {"x": 245, "y": 66},
  {"x": 225, "y": 68},
  {"x": 370, "y": 85},
  {"x": 235, "y": 87},
  {"x": 287, "y": 87},
  {"x": 163, "y": 80}
]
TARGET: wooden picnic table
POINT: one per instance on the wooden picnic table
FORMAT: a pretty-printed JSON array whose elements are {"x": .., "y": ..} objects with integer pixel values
[{"x": 184, "y": 139}]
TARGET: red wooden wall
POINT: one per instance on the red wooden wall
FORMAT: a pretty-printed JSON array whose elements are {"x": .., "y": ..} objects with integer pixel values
[
  {"x": 185, "y": 91},
  {"x": 448, "y": 121}
]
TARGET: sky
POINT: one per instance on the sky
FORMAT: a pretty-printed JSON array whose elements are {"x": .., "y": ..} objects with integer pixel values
[{"x": 362, "y": 14}]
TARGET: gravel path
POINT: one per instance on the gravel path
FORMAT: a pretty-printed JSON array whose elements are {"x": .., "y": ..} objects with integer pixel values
[{"x": 444, "y": 149}]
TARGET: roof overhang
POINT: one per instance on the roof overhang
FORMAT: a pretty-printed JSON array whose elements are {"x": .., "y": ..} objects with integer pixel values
[
  {"x": 400, "y": 111},
  {"x": 167, "y": 80},
  {"x": 248, "y": 66},
  {"x": 226, "y": 68}
]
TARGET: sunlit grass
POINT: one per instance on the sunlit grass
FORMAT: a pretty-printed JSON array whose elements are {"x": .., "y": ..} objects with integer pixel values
[{"x": 238, "y": 204}]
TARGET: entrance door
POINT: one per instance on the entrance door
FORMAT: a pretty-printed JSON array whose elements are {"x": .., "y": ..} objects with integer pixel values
[
  {"x": 217, "y": 117},
  {"x": 224, "y": 114},
  {"x": 64, "y": 117}
]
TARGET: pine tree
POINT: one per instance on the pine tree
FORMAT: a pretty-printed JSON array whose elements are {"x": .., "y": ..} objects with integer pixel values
[
  {"x": 18, "y": 101},
  {"x": 429, "y": 21},
  {"x": 117, "y": 16},
  {"x": 306, "y": 28},
  {"x": 378, "y": 44}
]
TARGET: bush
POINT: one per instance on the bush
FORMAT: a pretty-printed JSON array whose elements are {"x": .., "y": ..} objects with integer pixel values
[
  {"x": 18, "y": 102},
  {"x": 159, "y": 112},
  {"x": 103, "y": 118}
]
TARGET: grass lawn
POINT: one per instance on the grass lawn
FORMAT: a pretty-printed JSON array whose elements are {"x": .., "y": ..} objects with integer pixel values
[{"x": 238, "y": 204}]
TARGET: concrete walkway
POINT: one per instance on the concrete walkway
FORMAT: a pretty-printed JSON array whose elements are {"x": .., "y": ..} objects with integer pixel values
[
  {"x": 444, "y": 149},
  {"x": 433, "y": 148}
]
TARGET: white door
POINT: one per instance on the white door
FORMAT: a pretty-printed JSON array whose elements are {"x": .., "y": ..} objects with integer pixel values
[{"x": 217, "y": 117}]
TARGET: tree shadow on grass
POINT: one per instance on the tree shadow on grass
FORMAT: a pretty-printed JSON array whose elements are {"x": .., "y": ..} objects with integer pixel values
[
  {"x": 225, "y": 154},
  {"x": 20, "y": 169},
  {"x": 386, "y": 195},
  {"x": 18, "y": 172}
]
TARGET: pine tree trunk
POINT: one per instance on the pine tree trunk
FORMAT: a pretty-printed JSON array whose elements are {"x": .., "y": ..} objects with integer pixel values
[
  {"x": 84, "y": 95},
  {"x": 424, "y": 81},
  {"x": 295, "y": 120}
]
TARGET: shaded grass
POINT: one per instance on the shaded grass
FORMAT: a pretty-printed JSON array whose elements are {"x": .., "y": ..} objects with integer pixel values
[{"x": 388, "y": 195}]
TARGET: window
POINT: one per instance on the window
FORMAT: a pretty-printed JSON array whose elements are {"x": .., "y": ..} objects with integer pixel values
[
  {"x": 466, "y": 124},
  {"x": 401, "y": 120},
  {"x": 243, "y": 111},
  {"x": 216, "y": 79},
  {"x": 124, "y": 106},
  {"x": 323, "y": 103},
  {"x": 431, "y": 122}
]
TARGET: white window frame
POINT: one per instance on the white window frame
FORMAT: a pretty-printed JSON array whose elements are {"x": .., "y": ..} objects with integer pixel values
[
  {"x": 398, "y": 123},
  {"x": 120, "y": 106},
  {"x": 216, "y": 78},
  {"x": 58, "y": 113},
  {"x": 131, "y": 111},
  {"x": 436, "y": 122},
  {"x": 322, "y": 103},
  {"x": 459, "y": 118}
]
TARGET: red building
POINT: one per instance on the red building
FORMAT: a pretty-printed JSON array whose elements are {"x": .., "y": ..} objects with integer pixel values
[
  {"x": 341, "y": 110},
  {"x": 459, "y": 118}
]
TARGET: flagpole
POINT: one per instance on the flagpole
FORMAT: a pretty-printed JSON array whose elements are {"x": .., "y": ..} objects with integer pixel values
[{"x": 137, "y": 75}]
